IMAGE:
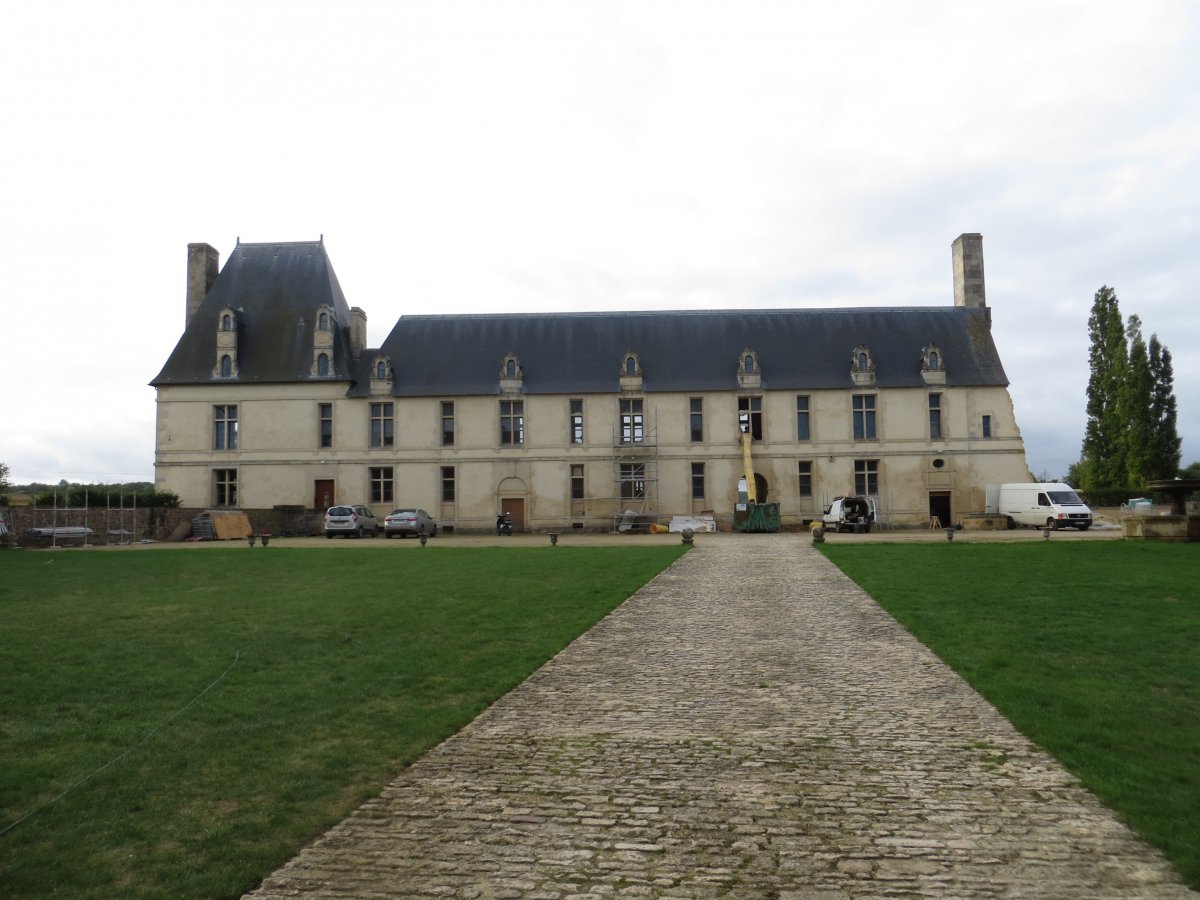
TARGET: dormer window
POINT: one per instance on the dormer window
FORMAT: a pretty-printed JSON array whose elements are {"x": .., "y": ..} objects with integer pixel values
[
  {"x": 512, "y": 376},
  {"x": 749, "y": 371},
  {"x": 933, "y": 365},
  {"x": 226, "y": 362},
  {"x": 862, "y": 366},
  {"x": 380, "y": 369},
  {"x": 382, "y": 374},
  {"x": 323, "y": 365},
  {"x": 323, "y": 321},
  {"x": 322, "y": 358},
  {"x": 631, "y": 372}
]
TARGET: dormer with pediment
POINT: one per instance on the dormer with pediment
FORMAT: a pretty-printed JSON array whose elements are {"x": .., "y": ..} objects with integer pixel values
[
  {"x": 382, "y": 375},
  {"x": 631, "y": 372},
  {"x": 323, "y": 331},
  {"x": 933, "y": 365},
  {"x": 229, "y": 326},
  {"x": 749, "y": 373},
  {"x": 862, "y": 367},
  {"x": 512, "y": 376}
]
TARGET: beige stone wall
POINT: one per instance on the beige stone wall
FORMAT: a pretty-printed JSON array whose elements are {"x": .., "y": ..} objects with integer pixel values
[{"x": 279, "y": 459}]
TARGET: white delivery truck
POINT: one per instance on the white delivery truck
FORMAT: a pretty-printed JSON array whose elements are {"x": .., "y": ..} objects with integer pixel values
[{"x": 1044, "y": 505}]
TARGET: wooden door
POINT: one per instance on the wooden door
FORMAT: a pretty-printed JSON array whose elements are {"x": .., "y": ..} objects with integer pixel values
[
  {"x": 514, "y": 508},
  {"x": 323, "y": 494}
]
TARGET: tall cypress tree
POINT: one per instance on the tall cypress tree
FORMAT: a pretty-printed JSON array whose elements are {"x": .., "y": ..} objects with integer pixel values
[
  {"x": 1166, "y": 446},
  {"x": 1137, "y": 402},
  {"x": 1104, "y": 448}
]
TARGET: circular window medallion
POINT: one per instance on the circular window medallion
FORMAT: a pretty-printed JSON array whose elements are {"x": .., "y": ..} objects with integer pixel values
[{"x": 938, "y": 463}]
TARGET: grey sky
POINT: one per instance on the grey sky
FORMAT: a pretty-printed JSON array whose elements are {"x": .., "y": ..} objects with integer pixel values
[{"x": 520, "y": 156}]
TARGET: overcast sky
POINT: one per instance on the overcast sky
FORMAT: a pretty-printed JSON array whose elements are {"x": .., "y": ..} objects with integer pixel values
[{"x": 559, "y": 156}]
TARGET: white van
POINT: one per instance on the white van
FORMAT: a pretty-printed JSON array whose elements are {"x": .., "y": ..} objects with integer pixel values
[{"x": 1046, "y": 505}]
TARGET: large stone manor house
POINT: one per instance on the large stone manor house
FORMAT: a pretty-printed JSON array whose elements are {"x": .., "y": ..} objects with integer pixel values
[{"x": 271, "y": 398}]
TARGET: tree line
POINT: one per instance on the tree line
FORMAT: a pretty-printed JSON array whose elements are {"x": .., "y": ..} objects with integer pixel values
[{"x": 1131, "y": 437}]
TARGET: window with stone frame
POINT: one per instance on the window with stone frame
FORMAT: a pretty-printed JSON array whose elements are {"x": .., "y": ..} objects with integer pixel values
[
  {"x": 864, "y": 417},
  {"x": 383, "y": 424},
  {"x": 750, "y": 417},
  {"x": 633, "y": 481},
  {"x": 225, "y": 427},
  {"x": 935, "y": 417},
  {"x": 325, "y": 425},
  {"x": 633, "y": 422},
  {"x": 696, "y": 419},
  {"x": 803, "y": 418},
  {"x": 805, "y": 473},
  {"x": 866, "y": 476},
  {"x": 576, "y": 414},
  {"x": 577, "y": 482},
  {"x": 448, "y": 485},
  {"x": 225, "y": 487},
  {"x": 697, "y": 481},
  {"x": 382, "y": 483},
  {"x": 512, "y": 423},
  {"x": 447, "y": 423}
]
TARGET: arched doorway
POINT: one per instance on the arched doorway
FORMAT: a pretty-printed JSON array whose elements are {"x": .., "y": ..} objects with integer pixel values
[{"x": 511, "y": 496}]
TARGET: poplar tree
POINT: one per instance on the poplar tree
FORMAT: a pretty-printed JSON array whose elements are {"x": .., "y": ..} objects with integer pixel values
[
  {"x": 1104, "y": 440},
  {"x": 1166, "y": 446},
  {"x": 1137, "y": 402}
]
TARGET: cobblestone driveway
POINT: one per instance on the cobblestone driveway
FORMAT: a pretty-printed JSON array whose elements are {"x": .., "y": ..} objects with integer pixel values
[{"x": 748, "y": 725}]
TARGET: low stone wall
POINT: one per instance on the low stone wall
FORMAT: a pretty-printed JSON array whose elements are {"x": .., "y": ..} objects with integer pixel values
[
  {"x": 110, "y": 527},
  {"x": 1177, "y": 529},
  {"x": 985, "y": 522}
]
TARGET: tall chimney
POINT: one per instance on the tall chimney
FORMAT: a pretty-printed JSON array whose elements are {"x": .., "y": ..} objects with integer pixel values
[
  {"x": 358, "y": 331},
  {"x": 967, "y": 255},
  {"x": 202, "y": 267}
]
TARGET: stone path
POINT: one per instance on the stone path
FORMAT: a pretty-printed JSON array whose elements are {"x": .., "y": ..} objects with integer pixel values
[{"x": 748, "y": 725}]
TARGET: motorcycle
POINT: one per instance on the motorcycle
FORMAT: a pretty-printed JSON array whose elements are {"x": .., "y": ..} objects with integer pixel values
[{"x": 503, "y": 525}]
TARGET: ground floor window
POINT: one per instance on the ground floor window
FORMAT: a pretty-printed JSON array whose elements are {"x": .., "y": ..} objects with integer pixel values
[
  {"x": 806, "y": 484},
  {"x": 866, "y": 476},
  {"x": 447, "y": 484},
  {"x": 633, "y": 481},
  {"x": 577, "y": 481},
  {"x": 381, "y": 484},
  {"x": 225, "y": 487},
  {"x": 697, "y": 481}
]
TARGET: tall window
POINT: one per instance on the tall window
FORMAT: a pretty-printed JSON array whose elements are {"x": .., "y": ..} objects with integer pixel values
[
  {"x": 577, "y": 481},
  {"x": 935, "y": 416},
  {"x": 697, "y": 481},
  {"x": 227, "y": 322},
  {"x": 226, "y": 366},
  {"x": 383, "y": 425},
  {"x": 632, "y": 420},
  {"x": 805, "y": 473},
  {"x": 447, "y": 423},
  {"x": 633, "y": 481},
  {"x": 381, "y": 484},
  {"x": 803, "y": 429},
  {"x": 987, "y": 426},
  {"x": 866, "y": 476},
  {"x": 323, "y": 322},
  {"x": 381, "y": 370},
  {"x": 225, "y": 492},
  {"x": 864, "y": 417},
  {"x": 750, "y": 416},
  {"x": 447, "y": 484},
  {"x": 325, "y": 424},
  {"x": 696, "y": 409},
  {"x": 512, "y": 422},
  {"x": 322, "y": 364},
  {"x": 576, "y": 421},
  {"x": 225, "y": 428}
]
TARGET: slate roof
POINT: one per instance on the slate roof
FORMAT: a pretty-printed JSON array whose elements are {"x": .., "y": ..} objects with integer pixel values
[
  {"x": 580, "y": 353},
  {"x": 277, "y": 289}
]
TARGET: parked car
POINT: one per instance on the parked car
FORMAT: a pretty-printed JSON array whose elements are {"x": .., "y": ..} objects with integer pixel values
[
  {"x": 409, "y": 521},
  {"x": 351, "y": 521}
]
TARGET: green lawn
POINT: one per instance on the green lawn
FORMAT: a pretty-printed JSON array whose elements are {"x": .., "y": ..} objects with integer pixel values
[
  {"x": 1092, "y": 649},
  {"x": 178, "y": 722}
]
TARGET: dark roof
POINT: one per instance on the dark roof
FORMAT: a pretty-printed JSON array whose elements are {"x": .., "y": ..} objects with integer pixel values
[
  {"x": 277, "y": 290},
  {"x": 685, "y": 351}
]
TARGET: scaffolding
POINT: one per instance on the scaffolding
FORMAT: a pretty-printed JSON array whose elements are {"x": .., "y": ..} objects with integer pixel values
[{"x": 635, "y": 472}]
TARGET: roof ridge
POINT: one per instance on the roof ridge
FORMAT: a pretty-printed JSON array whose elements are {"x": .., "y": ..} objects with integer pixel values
[{"x": 645, "y": 313}]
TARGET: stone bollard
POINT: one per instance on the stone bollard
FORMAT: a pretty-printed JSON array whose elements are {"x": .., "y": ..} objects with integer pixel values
[
  {"x": 688, "y": 536},
  {"x": 818, "y": 534}
]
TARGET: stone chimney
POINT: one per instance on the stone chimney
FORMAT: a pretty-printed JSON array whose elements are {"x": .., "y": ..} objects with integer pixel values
[
  {"x": 202, "y": 267},
  {"x": 358, "y": 331},
  {"x": 967, "y": 255}
]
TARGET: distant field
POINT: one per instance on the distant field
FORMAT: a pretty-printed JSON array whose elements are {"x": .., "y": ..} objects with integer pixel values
[
  {"x": 177, "y": 723},
  {"x": 1092, "y": 649}
]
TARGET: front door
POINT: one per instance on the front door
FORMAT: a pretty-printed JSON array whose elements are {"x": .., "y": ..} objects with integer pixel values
[
  {"x": 939, "y": 508},
  {"x": 323, "y": 494},
  {"x": 514, "y": 508}
]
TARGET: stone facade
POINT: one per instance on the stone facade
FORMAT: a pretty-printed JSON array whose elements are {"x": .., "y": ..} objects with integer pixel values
[{"x": 568, "y": 421}]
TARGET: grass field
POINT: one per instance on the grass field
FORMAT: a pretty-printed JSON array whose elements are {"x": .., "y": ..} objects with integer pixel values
[
  {"x": 176, "y": 723},
  {"x": 1092, "y": 649}
]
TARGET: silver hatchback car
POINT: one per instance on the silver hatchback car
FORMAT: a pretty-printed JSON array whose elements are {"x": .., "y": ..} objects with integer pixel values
[{"x": 351, "y": 521}]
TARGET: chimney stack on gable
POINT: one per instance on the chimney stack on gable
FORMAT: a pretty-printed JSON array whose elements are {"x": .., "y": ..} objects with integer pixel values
[
  {"x": 202, "y": 267},
  {"x": 358, "y": 331},
  {"x": 967, "y": 256}
]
